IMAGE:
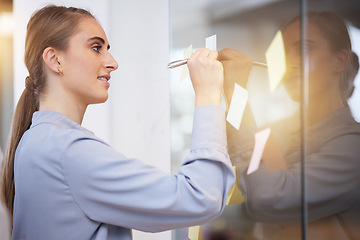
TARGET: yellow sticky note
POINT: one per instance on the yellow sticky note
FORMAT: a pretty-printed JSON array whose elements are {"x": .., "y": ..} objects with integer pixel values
[
  {"x": 188, "y": 51},
  {"x": 276, "y": 61},
  {"x": 194, "y": 233},
  {"x": 185, "y": 71},
  {"x": 234, "y": 194}
]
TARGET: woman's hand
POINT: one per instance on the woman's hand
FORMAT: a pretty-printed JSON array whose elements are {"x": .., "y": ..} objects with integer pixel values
[
  {"x": 207, "y": 77},
  {"x": 237, "y": 69}
]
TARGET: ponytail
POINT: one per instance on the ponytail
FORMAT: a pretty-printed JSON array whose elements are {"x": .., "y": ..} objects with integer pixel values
[{"x": 21, "y": 122}]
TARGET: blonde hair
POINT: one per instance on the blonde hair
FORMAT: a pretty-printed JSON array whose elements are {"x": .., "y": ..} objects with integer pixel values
[{"x": 51, "y": 26}]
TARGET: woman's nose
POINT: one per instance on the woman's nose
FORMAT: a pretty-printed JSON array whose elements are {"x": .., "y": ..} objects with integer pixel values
[{"x": 111, "y": 63}]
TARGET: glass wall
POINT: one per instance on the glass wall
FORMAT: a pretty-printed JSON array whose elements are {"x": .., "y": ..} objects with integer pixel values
[{"x": 300, "y": 115}]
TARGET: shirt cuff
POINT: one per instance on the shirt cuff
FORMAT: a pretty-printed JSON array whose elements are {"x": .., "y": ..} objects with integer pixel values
[{"x": 209, "y": 127}]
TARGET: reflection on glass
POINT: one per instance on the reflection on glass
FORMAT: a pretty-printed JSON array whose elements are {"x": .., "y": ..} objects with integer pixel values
[
  {"x": 272, "y": 193},
  {"x": 331, "y": 142}
]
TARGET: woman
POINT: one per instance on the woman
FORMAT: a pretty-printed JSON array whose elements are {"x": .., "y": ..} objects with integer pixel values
[
  {"x": 332, "y": 140},
  {"x": 69, "y": 184}
]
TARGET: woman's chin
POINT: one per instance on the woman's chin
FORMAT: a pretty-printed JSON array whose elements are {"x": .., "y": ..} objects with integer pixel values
[
  {"x": 101, "y": 99},
  {"x": 293, "y": 88},
  {"x": 296, "y": 97}
]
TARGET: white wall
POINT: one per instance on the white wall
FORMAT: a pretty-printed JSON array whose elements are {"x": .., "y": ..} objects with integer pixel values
[
  {"x": 140, "y": 105},
  {"x": 136, "y": 118}
]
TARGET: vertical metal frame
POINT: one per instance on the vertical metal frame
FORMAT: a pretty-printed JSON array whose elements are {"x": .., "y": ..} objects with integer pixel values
[{"x": 304, "y": 106}]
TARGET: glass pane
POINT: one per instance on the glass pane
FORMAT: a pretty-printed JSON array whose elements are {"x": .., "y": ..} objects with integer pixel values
[
  {"x": 332, "y": 134},
  {"x": 272, "y": 193},
  {"x": 312, "y": 114}
]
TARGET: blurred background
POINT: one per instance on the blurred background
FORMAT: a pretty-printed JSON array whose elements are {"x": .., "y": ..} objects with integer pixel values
[{"x": 6, "y": 68}]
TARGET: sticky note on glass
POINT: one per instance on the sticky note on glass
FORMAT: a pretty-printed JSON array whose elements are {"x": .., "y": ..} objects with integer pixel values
[
  {"x": 234, "y": 194},
  {"x": 194, "y": 233},
  {"x": 210, "y": 42},
  {"x": 276, "y": 61},
  {"x": 237, "y": 106},
  {"x": 185, "y": 71},
  {"x": 260, "y": 142}
]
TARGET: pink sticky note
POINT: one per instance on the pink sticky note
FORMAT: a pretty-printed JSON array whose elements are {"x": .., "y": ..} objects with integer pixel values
[{"x": 260, "y": 142}]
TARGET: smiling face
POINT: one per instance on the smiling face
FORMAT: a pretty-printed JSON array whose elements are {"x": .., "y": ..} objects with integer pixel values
[
  {"x": 321, "y": 65},
  {"x": 86, "y": 64}
]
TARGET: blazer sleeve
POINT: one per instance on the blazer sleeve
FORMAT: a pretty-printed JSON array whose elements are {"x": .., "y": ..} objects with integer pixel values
[
  {"x": 332, "y": 183},
  {"x": 111, "y": 188}
]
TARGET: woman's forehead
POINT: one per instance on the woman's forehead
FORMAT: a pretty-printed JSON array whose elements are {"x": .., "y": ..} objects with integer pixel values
[
  {"x": 89, "y": 28},
  {"x": 292, "y": 32}
]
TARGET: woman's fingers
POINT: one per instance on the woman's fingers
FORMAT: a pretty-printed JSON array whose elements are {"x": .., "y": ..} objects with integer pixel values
[
  {"x": 213, "y": 54},
  {"x": 237, "y": 66},
  {"x": 206, "y": 74}
]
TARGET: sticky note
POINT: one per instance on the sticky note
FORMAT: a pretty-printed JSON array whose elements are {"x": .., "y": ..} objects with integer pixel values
[
  {"x": 185, "y": 71},
  {"x": 194, "y": 233},
  {"x": 237, "y": 106},
  {"x": 187, "y": 53},
  {"x": 260, "y": 142},
  {"x": 276, "y": 61},
  {"x": 234, "y": 194},
  {"x": 210, "y": 42}
]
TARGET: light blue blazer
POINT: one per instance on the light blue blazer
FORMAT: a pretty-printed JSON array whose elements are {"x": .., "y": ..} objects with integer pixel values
[{"x": 71, "y": 185}]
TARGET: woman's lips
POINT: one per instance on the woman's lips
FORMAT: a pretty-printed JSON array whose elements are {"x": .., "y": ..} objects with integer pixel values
[{"x": 105, "y": 79}]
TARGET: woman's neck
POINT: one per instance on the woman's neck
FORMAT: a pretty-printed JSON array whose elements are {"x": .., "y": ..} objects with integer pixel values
[
  {"x": 75, "y": 112},
  {"x": 323, "y": 105}
]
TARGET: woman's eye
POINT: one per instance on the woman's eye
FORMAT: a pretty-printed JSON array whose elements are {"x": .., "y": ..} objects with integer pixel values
[
  {"x": 309, "y": 47},
  {"x": 96, "y": 48}
]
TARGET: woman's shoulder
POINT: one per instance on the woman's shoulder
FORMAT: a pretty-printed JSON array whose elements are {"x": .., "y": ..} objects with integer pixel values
[
  {"x": 52, "y": 130},
  {"x": 56, "y": 124}
]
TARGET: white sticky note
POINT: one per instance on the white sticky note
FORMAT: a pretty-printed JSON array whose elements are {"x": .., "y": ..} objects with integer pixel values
[
  {"x": 237, "y": 106},
  {"x": 210, "y": 42},
  {"x": 276, "y": 61},
  {"x": 185, "y": 71},
  {"x": 260, "y": 142}
]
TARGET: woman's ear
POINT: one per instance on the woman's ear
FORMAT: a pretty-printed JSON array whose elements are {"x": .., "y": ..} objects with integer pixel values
[
  {"x": 341, "y": 61},
  {"x": 51, "y": 58}
]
